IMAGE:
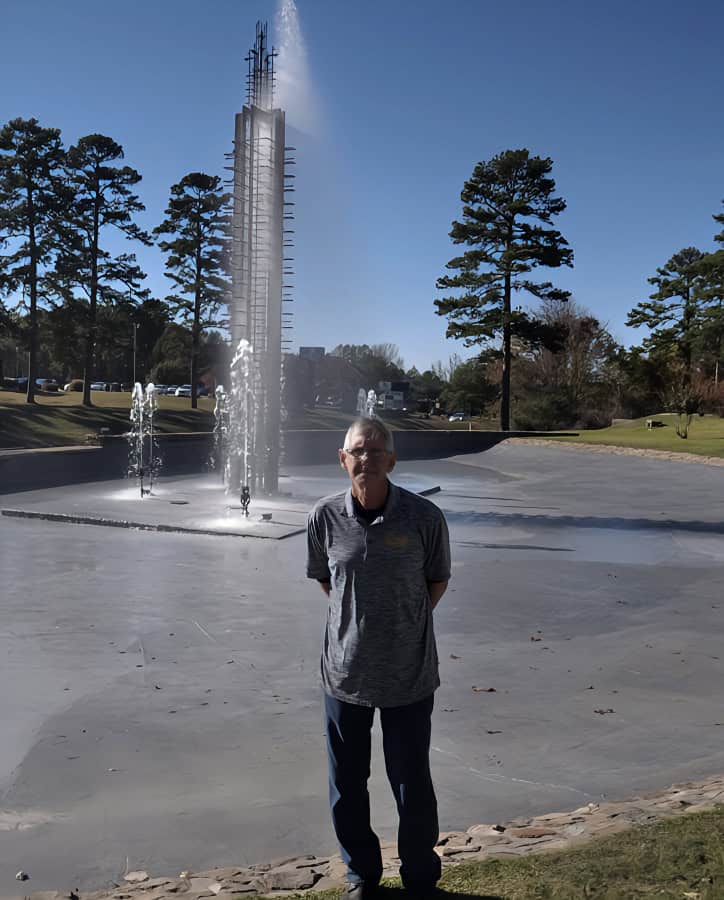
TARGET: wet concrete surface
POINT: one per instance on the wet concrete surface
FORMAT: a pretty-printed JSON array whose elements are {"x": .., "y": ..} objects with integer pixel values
[{"x": 160, "y": 704}]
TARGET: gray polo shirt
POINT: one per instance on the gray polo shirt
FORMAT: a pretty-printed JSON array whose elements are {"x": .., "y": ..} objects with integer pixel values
[{"x": 379, "y": 644}]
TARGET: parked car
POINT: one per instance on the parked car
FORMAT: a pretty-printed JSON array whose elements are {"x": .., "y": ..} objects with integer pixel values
[
  {"x": 457, "y": 417},
  {"x": 98, "y": 386},
  {"x": 171, "y": 389},
  {"x": 183, "y": 390}
]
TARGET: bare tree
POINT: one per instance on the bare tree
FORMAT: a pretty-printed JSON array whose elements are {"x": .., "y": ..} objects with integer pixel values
[{"x": 390, "y": 353}]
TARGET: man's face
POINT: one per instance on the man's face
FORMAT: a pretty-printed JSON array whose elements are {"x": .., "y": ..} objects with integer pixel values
[{"x": 366, "y": 460}]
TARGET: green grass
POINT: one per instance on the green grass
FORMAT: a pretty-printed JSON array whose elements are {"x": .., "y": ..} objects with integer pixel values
[
  {"x": 57, "y": 420},
  {"x": 326, "y": 418},
  {"x": 706, "y": 435},
  {"x": 60, "y": 419},
  {"x": 667, "y": 860}
]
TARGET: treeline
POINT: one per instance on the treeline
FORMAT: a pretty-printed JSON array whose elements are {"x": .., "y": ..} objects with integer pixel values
[
  {"x": 557, "y": 366},
  {"x": 81, "y": 305}
]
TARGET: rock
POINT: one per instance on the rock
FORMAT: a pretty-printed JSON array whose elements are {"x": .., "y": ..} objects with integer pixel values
[
  {"x": 533, "y": 832},
  {"x": 289, "y": 878},
  {"x": 199, "y": 885},
  {"x": 485, "y": 830},
  {"x": 461, "y": 850},
  {"x": 329, "y": 884},
  {"x": 222, "y": 874},
  {"x": 136, "y": 877}
]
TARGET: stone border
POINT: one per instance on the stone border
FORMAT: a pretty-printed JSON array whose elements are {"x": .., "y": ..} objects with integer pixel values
[
  {"x": 623, "y": 451},
  {"x": 74, "y": 519},
  {"x": 519, "y": 837}
]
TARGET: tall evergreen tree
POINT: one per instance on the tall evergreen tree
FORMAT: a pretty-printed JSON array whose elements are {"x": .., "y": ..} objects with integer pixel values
[
  {"x": 198, "y": 218},
  {"x": 31, "y": 205},
  {"x": 710, "y": 341},
  {"x": 508, "y": 207},
  {"x": 720, "y": 220},
  {"x": 712, "y": 267},
  {"x": 673, "y": 311},
  {"x": 102, "y": 199}
]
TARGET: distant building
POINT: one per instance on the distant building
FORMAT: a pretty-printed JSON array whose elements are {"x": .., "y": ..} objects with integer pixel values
[
  {"x": 385, "y": 387},
  {"x": 312, "y": 353},
  {"x": 391, "y": 394}
]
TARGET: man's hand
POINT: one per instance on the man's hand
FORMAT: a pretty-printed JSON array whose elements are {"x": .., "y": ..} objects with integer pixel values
[
  {"x": 326, "y": 586},
  {"x": 436, "y": 589}
]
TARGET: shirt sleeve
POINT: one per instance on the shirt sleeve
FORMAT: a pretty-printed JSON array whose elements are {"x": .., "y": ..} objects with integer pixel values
[
  {"x": 317, "y": 563},
  {"x": 437, "y": 551}
]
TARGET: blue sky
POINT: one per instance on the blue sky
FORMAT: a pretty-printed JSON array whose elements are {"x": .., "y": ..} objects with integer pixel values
[{"x": 624, "y": 96}]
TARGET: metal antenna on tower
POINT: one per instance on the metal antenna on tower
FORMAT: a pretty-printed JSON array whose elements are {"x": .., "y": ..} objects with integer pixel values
[{"x": 260, "y": 72}]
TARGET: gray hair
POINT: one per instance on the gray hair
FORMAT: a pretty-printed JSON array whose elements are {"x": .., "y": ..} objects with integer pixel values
[{"x": 373, "y": 427}]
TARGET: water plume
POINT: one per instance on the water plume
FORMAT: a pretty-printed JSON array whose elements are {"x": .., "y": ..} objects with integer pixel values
[{"x": 293, "y": 88}]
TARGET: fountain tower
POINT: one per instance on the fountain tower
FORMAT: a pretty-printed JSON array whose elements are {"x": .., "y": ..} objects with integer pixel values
[{"x": 261, "y": 234}]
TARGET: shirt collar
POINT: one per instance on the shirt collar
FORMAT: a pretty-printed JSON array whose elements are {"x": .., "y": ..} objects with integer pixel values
[{"x": 393, "y": 493}]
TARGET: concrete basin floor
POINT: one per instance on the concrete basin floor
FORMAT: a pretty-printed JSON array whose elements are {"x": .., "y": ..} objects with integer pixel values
[{"x": 160, "y": 705}]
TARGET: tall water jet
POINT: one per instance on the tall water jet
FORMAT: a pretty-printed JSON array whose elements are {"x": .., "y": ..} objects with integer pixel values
[
  {"x": 244, "y": 456},
  {"x": 144, "y": 460},
  {"x": 361, "y": 402},
  {"x": 371, "y": 404},
  {"x": 293, "y": 84},
  {"x": 220, "y": 445},
  {"x": 260, "y": 234}
]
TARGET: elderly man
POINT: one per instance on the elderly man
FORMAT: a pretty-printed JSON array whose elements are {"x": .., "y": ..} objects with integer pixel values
[{"x": 382, "y": 556}]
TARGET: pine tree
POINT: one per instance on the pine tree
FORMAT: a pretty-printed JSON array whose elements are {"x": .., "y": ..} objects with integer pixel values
[
  {"x": 197, "y": 263},
  {"x": 673, "y": 311},
  {"x": 32, "y": 197},
  {"x": 102, "y": 199},
  {"x": 508, "y": 207}
]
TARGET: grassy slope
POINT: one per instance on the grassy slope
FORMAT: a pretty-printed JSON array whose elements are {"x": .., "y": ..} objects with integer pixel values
[
  {"x": 60, "y": 419},
  {"x": 682, "y": 857},
  {"x": 706, "y": 435}
]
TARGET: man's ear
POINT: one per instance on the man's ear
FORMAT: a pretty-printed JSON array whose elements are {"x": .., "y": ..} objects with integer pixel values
[
  {"x": 392, "y": 461},
  {"x": 340, "y": 455}
]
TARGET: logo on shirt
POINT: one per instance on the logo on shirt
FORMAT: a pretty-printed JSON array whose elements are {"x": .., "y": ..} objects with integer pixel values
[{"x": 396, "y": 541}]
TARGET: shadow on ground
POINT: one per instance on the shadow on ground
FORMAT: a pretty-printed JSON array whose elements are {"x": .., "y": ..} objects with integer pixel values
[
  {"x": 610, "y": 522},
  {"x": 386, "y": 892}
]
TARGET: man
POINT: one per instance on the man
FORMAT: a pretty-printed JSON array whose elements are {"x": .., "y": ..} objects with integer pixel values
[{"x": 382, "y": 556}]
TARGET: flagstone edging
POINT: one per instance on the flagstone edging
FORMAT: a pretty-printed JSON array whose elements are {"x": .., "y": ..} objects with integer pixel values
[{"x": 519, "y": 837}]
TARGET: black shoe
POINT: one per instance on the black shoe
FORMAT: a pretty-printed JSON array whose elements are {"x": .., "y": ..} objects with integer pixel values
[
  {"x": 422, "y": 891},
  {"x": 360, "y": 890}
]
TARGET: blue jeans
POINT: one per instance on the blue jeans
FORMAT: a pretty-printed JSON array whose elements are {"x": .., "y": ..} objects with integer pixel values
[{"x": 406, "y": 742}]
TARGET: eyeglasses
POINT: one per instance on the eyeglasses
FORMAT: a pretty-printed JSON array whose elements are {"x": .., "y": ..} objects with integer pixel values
[{"x": 370, "y": 453}]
